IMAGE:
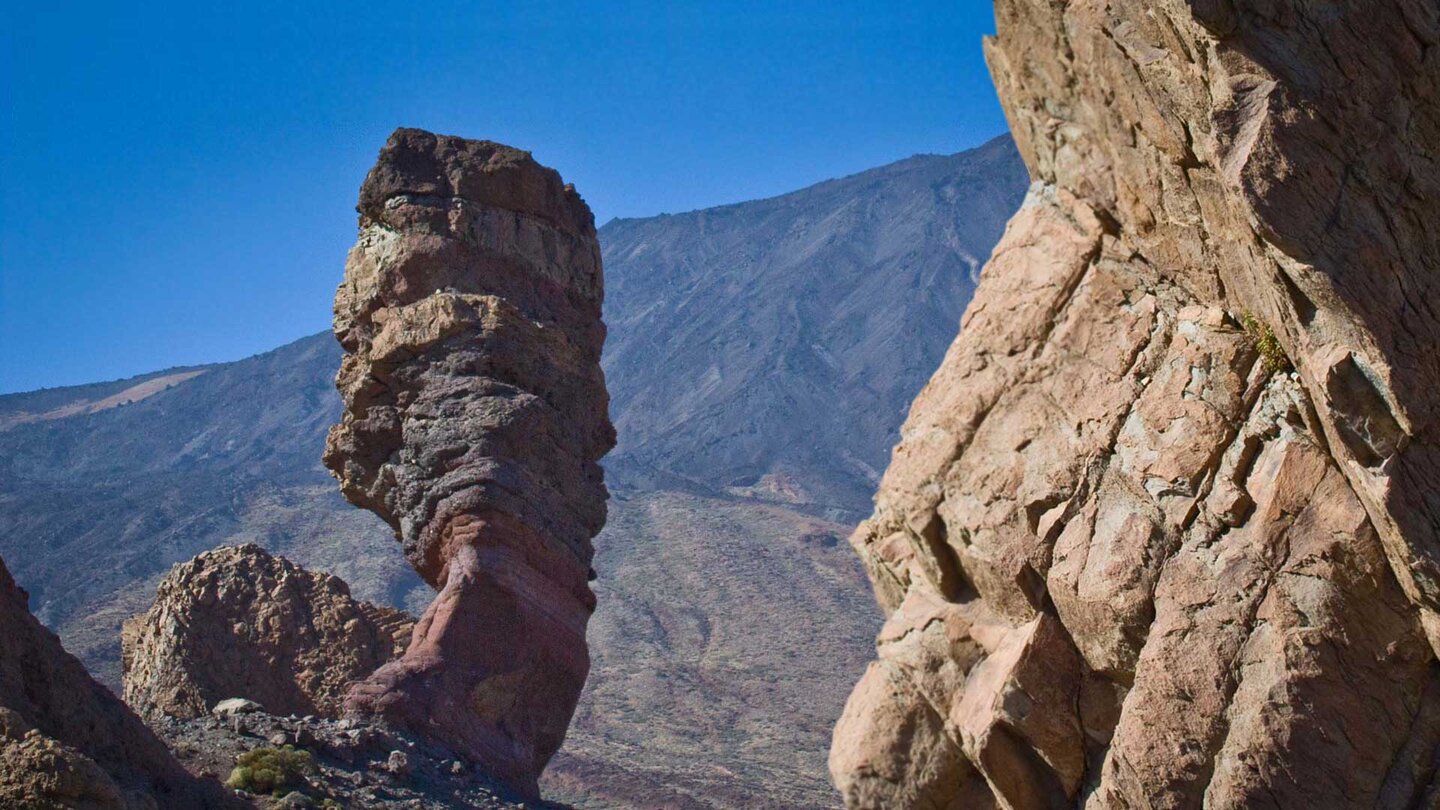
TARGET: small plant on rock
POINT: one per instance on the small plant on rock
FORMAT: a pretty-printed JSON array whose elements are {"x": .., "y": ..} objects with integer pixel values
[
  {"x": 270, "y": 770},
  {"x": 1272, "y": 354}
]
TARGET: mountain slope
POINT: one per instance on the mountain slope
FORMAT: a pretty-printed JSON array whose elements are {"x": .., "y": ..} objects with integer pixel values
[
  {"x": 748, "y": 346},
  {"x": 771, "y": 348}
]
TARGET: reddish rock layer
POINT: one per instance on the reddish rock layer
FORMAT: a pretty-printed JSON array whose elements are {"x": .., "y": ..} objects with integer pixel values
[
  {"x": 65, "y": 741},
  {"x": 1131, "y": 558},
  {"x": 475, "y": 418},
  {"x": 238, "y": 622}
]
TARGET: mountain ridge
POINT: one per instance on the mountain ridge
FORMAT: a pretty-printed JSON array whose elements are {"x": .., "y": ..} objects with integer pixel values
[{"x": 1000, "y": 142}]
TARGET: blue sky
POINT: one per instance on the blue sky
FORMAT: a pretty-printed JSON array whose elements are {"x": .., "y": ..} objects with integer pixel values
[{"x": 177, "y": 181}]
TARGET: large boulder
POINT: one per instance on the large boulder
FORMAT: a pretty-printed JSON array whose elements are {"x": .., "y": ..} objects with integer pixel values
[
  {"x": 475, "y": 418},
  {"x": 66, "y": 742},
  {"x": 1182, "y": 455},
  {"x": 238, "y": 622}
]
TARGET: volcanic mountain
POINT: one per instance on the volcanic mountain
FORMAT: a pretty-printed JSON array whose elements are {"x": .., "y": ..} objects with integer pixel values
[{"x": 761, "y": 358}]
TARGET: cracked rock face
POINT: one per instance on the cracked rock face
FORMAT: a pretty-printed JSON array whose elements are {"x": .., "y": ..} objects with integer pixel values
[
  {"x": 1132, "y": 556},
  {"x": 238, "y": 622},
  {"x": 475, "y": 419}
]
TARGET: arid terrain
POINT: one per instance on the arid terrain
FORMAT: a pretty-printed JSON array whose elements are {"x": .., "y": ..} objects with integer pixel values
[
  {"x": 1139, "y": 511},
  {"x": 732, "y": 615}
]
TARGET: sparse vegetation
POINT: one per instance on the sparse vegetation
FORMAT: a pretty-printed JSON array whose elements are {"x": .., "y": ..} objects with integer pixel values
[
  {"x": 270, "y": 770},
  {"x": 1272, "y": 354}
]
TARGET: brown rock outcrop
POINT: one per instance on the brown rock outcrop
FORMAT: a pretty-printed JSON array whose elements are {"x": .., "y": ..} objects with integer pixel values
[
  {"x": 1161, "y": 531},
  {"x": 475, "y": 418},
  {"x": 66, "y": 742},
  {"x": 239, "y": 622}
]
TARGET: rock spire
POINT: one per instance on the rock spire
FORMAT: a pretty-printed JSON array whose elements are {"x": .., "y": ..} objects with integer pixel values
[{"x": 475, "y": 418}]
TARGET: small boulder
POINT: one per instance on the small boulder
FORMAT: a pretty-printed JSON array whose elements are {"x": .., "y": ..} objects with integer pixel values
[
  {"x": 233, "y": 706},
  {"x": 398, "y": 764}
]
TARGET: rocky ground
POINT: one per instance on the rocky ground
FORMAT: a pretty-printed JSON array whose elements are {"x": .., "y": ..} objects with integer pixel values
[{"x": 357, "y": 765}]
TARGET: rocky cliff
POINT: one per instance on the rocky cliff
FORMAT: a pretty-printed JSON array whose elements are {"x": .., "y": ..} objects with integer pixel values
[
  {"x": 1161, "y": 531},
  {"x": 66, "y": 742},
  {"x": 475, "y": 419},
  {"x": 239, "y": 622}
]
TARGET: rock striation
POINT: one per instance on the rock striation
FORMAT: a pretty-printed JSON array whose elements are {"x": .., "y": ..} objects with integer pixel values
[
  {"x": 475, "y": 418},
  {"x": 237, "y": 622},
  {"x": 66, "y": 742},
  {"x": 1161, "y": 531}
]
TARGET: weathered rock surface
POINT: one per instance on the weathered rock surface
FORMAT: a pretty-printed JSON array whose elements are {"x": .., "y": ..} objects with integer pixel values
[
  {"x": 65, "y": 741},
  {"x": 1131, "y": 558},
  {"x": 475, "y": 419},
  {"x": 238, "y": 622}
]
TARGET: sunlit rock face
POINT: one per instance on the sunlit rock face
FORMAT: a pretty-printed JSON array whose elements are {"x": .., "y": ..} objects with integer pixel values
[
  {"x": 1162, "y": 529},
  {"x": 239, "y": 622},
  {"x": 475, "y": 418}
]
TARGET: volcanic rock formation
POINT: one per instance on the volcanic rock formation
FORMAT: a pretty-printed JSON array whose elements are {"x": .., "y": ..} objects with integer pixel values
[
  {"x": 475, "y": 419},
  {"x": 65, "y": 741},
  {"x": 1161, "y": 531},
  {"x": 238, "y": 622}
]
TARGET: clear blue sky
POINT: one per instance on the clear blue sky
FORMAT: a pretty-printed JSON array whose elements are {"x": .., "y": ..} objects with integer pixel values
[{"x": 179, "y": 180}]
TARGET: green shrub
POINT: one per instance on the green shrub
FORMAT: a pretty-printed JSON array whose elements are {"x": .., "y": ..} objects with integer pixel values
[
  {"x": 1272, "y": 354},
  {"x": 270, "y": 770}
]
